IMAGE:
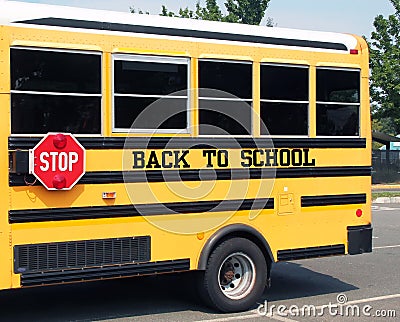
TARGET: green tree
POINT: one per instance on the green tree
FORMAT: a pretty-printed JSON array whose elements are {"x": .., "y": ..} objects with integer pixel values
[
  {"x": 165, "y": 12},
  {"x": 385, "y": 71},
  {"x": 133, "y": 10},
  {"x": 249, "y": 12},
  {"x": 210, "y": 12},
  {"x": 241, "y": 11}
]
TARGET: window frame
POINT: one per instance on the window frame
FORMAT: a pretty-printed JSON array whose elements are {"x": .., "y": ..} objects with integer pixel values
[
  {"x": 249, "y": 101},
  {"x": 150, "y": 59},
  {"x": 61, "y": 50},
  {"x": 350, "y": 69},
  {"x": 308, "y": 102}
]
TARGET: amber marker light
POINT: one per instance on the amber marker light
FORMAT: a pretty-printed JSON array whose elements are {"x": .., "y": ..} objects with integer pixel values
[{"x": 109, "y": 195}]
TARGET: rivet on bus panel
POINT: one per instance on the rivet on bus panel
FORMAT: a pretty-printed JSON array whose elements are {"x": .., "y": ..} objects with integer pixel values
[{"x": 109, "y": 195}]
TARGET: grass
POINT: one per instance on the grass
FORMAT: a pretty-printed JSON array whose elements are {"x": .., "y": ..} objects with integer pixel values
[{"x": 385, "y": 194}]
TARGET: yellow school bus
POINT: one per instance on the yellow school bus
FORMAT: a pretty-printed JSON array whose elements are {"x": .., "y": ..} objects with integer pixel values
[{"x": 206, "y": 146}]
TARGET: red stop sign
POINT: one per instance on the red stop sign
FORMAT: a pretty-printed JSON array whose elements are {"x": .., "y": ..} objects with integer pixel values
[{"x": 58, "y": 161}]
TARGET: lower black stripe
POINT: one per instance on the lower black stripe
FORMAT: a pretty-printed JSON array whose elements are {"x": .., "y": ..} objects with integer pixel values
[
  {"x": 75, "y": 213},
  {"x": 87, "y": 274},
  {"x": 105, "y": 177},
  {"x": 331, "y": 200},
  {"x": 310, "y": 252}
]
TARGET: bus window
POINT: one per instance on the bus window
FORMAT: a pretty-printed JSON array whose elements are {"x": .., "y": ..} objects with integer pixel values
[
  {"x": 338, "y": 102},
  {"x": 284, "y": 100},
  {"x": 140, "y": 81},
  {"x": 225, "y": 97},
  {"x": 54, "y": 91}
]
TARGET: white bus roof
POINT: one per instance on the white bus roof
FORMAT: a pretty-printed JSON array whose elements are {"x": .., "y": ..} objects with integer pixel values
[{"x": 102, "y": 21}]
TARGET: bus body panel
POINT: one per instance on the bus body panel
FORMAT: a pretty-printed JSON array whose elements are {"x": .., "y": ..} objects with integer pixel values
[{"x": 307, "y": 212}]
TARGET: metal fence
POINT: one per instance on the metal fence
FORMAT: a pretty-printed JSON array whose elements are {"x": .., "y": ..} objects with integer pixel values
[{"x": 385, "y": 166}]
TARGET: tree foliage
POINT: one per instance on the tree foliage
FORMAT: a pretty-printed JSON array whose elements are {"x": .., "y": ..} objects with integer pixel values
[
  {"x": 385, "y": 71},
  {"x": 240, "y": 11},
  {"x": 249, "y": 12},
  {"x": 139, "y": 11}
]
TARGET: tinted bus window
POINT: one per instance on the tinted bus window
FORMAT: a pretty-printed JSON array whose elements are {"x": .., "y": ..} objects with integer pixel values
[
  {"x": 284, "y": 100},
  {"x": 225, "y": 97},
  {"x": 150, "y": 93},
  {"x": 54, "y": 91},
  {"x": 338, "y": 102}
]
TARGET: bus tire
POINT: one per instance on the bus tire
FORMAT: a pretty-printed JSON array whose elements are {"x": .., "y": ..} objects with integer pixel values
[{"x": 235, "y": 276}]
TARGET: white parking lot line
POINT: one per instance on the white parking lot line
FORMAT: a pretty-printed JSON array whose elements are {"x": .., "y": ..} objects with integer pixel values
[
  {"x": 379, "y": 208},
  {"x": 248, "y": 317},
  {"x": 232, "y": 318},
  {"x": 284, "y": 319},
  {"x": 382, "y": 247},
  {"x": 374, "y": 299}
]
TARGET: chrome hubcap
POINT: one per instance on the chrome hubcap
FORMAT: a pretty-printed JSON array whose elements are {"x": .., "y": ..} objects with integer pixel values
[{"x": 237, "y": 276}]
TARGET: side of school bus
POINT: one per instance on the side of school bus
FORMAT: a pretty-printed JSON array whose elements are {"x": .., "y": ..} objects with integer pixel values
[{"x": 227, "y": 184}]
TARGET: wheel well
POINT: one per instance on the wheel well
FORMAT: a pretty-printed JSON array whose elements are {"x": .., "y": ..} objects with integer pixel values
[
  {"x": 233, "y": 231},
  {"x": 255, "y": 240}
]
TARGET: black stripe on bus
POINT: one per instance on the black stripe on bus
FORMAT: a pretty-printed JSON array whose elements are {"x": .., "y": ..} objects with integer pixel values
[
  {"x": 110, "y": 26},
  {"x": 310, "y": 252},
  {"x": 98, "y": 143},
  {"x": 96, "y": 273},
  {"x": 332, "y": 200},
  {"x": 108, "y": 177},
  {"x": 96, "y": 212}
]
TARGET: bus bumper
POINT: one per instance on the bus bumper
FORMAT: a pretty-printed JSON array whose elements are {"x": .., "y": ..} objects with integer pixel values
[{"x": 359, "y": 239}]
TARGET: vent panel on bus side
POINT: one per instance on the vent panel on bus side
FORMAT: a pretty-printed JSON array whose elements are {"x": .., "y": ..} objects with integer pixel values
[{"x": 80, "y": 254}]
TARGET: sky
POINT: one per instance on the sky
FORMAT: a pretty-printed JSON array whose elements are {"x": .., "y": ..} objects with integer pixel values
[{"x": 349, "y": 16}]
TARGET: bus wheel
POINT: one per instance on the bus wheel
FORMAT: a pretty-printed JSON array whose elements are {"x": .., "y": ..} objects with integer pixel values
[{"x": 235, "y": 276}]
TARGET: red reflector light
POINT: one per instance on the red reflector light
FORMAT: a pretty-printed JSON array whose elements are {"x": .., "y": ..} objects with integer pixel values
[
  {"x": 60, "y": 141},
  {"x": 359, "y": 213},
  {"x": 59, "y": 181},
  {"x": 354, "y": 51}
]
